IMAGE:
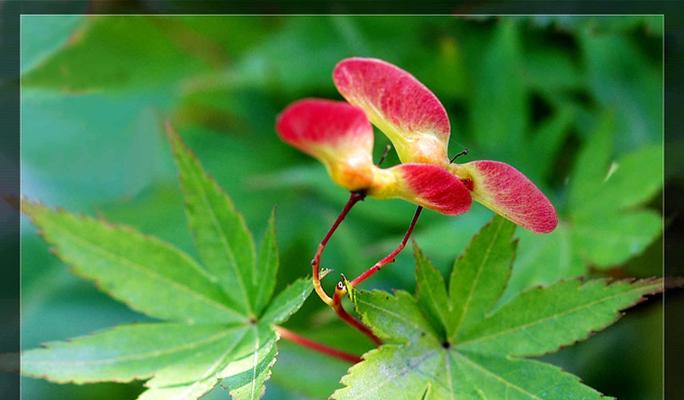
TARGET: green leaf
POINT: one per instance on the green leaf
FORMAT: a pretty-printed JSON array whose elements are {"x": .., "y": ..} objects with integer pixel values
[
  {"x": 632, "y": 180},
  {"x": 603, "y": 225},
  {"x": 500, "y": 71},
  {"x": 267, "y": 266},
  {"x": 43, "y": 34},
  {"x": 220, "y": 233},
  {"x": 210, "y": 338},
  {"x": 393, "y": 372},
  {"x": 484, "y": 358},
  {"x": 430, "y": 290},
  {"x": 602, "y": 23},
  {"x": 479, "y": 276},
  {"x": 546, "y": 143},
  {"x": 591, "y": 166},
  {"x": 543, "y": 260},
  {"x": 551, "y": 70},
  {"x": 497, "y": 377},
  {"x": 94, "y": 58},
  {"x": 126, "y": 352},
  {"x": 147, "y": 274},
  {"x": 288, "y": 301},
  {"x": 611, "y": 239},
  {"x": 610, "y": 60},
  {"x": 542, "y": 320},
  {"x": 112, "y": 128},
  {"x": 245, "y": 377},
  {"x": 395, "y": 318}
]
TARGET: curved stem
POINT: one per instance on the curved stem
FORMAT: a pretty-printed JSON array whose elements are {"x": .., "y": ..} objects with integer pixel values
[
  {"x": 340, "y": 290},
  {"x": 391, "y": 256},
  {"x": 354, "y": 198},
  {"x": 315, "y": 346}
]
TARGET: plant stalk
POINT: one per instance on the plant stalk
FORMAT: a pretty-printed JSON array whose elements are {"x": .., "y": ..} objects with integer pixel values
[
  {"x": 391, "y": 256},
  {"x": 315, "y": 346},
  {"x": 340, "y": 291},
  {"x": 354, "y": 198}
]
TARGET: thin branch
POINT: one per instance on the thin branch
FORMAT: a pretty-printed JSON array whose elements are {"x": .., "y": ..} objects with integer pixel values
[
  {"x": 315, "y": 346},
  {"x": 391, "y": 256},
  {"x": 354, "y": 198},
  {"x": 340, "y": 290}
]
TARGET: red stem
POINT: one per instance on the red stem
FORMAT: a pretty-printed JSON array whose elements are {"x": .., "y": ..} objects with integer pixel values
[
  {"x": 340, "y": 290},
  {"x": 315, "y": 346},
  {"x": 354, "y": 198},
  {"x": 390, "y": 257}
]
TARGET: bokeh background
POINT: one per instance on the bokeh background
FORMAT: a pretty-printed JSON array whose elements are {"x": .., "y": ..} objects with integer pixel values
[{"x": 567, "y": 100}]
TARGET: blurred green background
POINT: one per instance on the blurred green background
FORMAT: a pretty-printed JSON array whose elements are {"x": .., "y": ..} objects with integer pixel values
[{"x": 575, "y": 103}]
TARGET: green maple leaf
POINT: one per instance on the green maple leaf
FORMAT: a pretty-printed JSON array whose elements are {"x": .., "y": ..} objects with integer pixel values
[
  {"x": 217, "y": 318},
  {"x": 459, "y": 344},
  {"x": 603, "y": 224}
]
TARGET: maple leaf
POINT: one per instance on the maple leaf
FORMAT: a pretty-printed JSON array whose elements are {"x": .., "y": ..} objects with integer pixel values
[
  {"x": 604, "y": 223},
  {"x": 462, "y": 344},
  {"x": 217, "y": 318}
]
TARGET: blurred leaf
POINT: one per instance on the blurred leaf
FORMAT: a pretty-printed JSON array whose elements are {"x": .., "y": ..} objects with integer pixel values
[
  {"x": 447, "y": 236},
  {"x": 211, "y": 341},
  {"x": 603, "y": 23},
  {"x": 591, "y": 166},
  {"x": 550, "y": 70},
  {"x": 110, "y": 52},
  {"x": 167, "y": 223},
  {"x": 301, "y": 57},
  {"x": 546, "y": 143},
  {"x": 222, "y": 31},
  {"x": 73, "y": 146},
  {"x": 611, "y": 239},
  {"x": 444, "y": 72},
  {"x": 483, "y": 357},
  {"x": 603, "y": 225},
  {"x": 499, "y": 107},
  {"x": 625, "y": 81},
  {"x": 631, "y": 181},
  {"x": 301, "y": 53},
  {"x": 544, "y": 259},
  {"x": 43, "y": 34}
]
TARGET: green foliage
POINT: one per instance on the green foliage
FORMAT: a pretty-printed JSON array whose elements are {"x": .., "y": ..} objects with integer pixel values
[
  {"x": 220, "y": 233},
  {"x": 39, "y": 40},
  {"x": 107, "y": 52},
  {"x": 209, "y": 336},
  {"x": 482, "y": 353},
  {"x": 91, "y": 142},
  {"x": 603, "y": 224},
  {"x": 491, "y": 82}
]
